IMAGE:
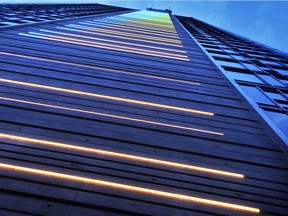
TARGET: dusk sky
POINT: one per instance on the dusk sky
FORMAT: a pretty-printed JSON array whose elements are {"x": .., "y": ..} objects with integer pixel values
[{"x": 263, "y": 21}]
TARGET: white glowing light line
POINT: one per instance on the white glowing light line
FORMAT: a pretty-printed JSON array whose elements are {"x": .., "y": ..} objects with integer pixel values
[
  {"x": 80, "y": 29},
  {"x": 59, "y": 39},
  {"x": 112, "y": 46},
  {"x": 133, "y": 25},
  {"x": 121, "y": 25},
  {"x": 112, "y": 116},
  {"x": 100, "y": 68},
  {"x": 115, "y": 32},
  {"x": 149, "y": 22},
  {"x": 125, "y": 100},
  {"x": 115, "y": 41},
  {"x": 169, "y": 27},
  {"x": 132, "y": 29}
]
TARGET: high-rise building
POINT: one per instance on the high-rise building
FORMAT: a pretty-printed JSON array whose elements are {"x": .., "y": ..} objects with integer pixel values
[{"x": 113, "y": 111}]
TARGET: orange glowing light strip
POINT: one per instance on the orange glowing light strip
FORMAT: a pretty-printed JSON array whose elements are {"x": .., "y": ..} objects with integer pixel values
[
  {"x": 115, "y": 41},
  {"x": 120, "y": 37},
  {"x": 121, "y": 155},
  {"x": 113, "y": 46},
  {"x": 131, "y": 188},
  {"x": 184, "y": 58},
  {"x": 125, "y": 100},
  {"x": 112, "y": 116},
  {"x": 133, "y": 29},
  {"x": 114, "y": 32},
  {"x": 100, "y": 68},
  {"x": 105, "y": 23}
]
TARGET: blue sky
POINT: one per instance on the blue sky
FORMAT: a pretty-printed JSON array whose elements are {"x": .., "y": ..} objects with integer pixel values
[{"x": 263, "y": 21}]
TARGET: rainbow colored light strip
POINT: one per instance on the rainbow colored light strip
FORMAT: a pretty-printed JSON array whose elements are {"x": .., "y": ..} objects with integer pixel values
[
  {"x": 108, "y": 47},
  {"x": 87, "y": 31},
  {"x": 106, "y": 25},
  {"x": 132, "y": 35},
  {"x": 104, "y": 44},
  {"x": 121, "y": 25},
  {"x": 121, "y": 40},
  {"x": 113, "y": 41}
]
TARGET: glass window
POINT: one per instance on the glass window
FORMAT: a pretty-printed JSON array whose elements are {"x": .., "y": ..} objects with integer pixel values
[
  {"x": 251, "y": 67},
  {"x": 229, "y": 51},
  {"x": 210, "y": 46},
  {"x": 280, "y": 119},
  {"x": 283, "y": 72},
  {"x": 223, "y": 46},
  {"x": 221, "y": 55},
  {"x": 271, "y": 80},
  {"x": 284, "y": 104},
  {"x": 256, "y": 95},
  {"x": 216, "y": 50},
  {"x": 275, "y": 95},
  {"x": 230, "y": 64},
  {"x": 269, "y": 62},
  {"x": 255, "y": 55},
  {"x": 245, "y": 77},
  {"x": 284, "y": 81},
  {"x": 239, "y": 57}
]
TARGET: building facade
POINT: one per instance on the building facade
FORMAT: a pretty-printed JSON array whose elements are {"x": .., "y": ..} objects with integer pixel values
[
  {"x": 259, "y": 72},
  {"x": 126, "y": 112}
]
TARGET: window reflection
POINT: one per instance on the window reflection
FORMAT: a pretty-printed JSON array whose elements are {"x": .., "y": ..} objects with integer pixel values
[
  {"x": 282, "y": 71},
  {"x": 245, "y": 77},
  {"x": 274, "y": 95},
  {"x": 251, "y": 67},
  {"x": 271, "y": 80},
  {"x": 230, "y": 64},
  {"x": 255, "y": 94},
  {"x": 280, "y": 119}
]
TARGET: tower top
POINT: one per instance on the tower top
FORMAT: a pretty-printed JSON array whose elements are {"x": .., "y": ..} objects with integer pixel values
[{"x": 160, "y": 10}]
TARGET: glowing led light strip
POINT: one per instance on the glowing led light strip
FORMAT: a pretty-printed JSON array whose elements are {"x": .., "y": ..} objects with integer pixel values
[
  {"x": 80, "y": 29},
  {"x": 121, "y": 155},
  {"x": 184, "y": 58},
  {"x": 105, "y": 97},
  {"x": 114, "y": 32},
  {"x": 132, "y": 29},
  {"x": 140, "y": 28},
  {"x": 123, "y": 25},
  {"x": 100, "y": 68},
  {"x": 112, "y": 116},
  {"x": 135, "y": 189},
  {"x": 146, "y": 24},
  {"x": 115, "y": 41},
  {"x": 145, "y": 51},
  {"x": 147, "y": 20},
  {"x": 152, "y": 25}
]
